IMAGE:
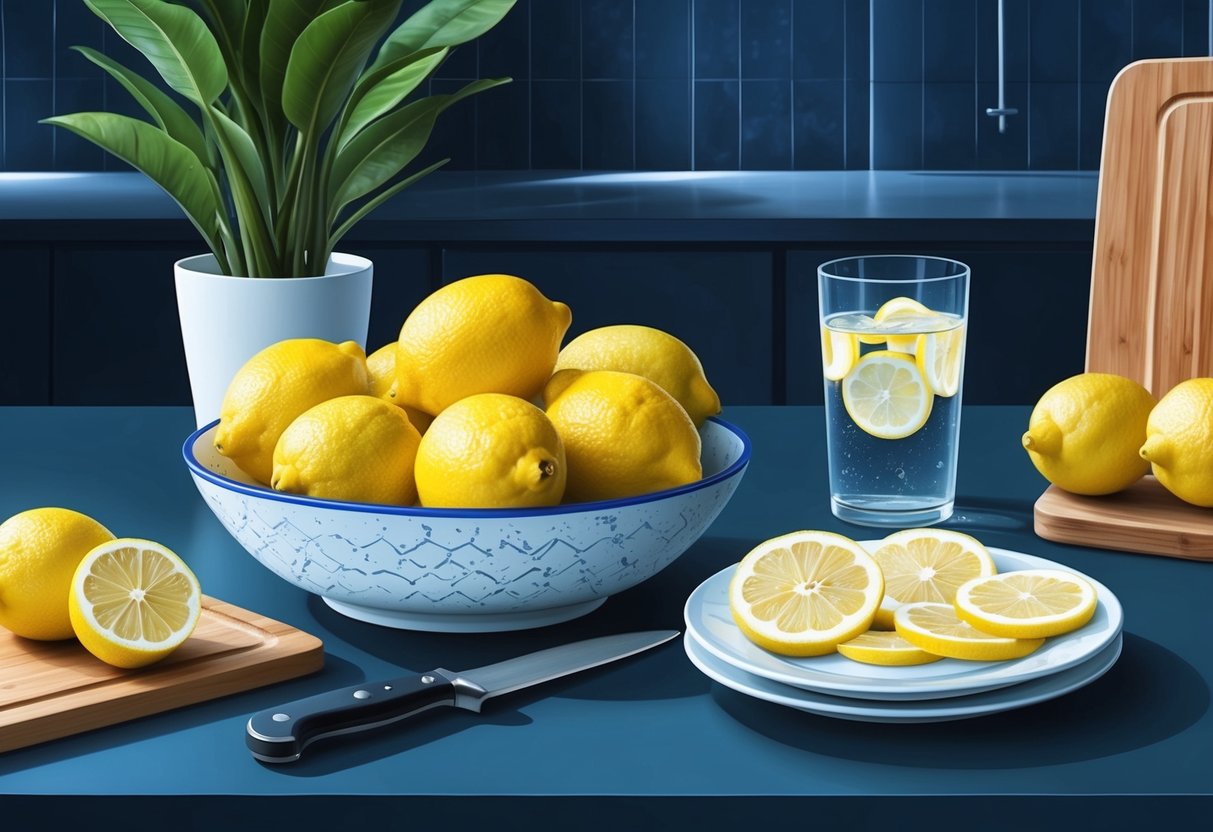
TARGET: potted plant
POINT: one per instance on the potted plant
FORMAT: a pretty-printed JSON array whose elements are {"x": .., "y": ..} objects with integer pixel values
[{"x": 309, "y": 113}]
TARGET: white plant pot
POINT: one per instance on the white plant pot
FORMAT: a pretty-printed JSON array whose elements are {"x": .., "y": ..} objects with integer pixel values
[{"x": 227, "y": 320}]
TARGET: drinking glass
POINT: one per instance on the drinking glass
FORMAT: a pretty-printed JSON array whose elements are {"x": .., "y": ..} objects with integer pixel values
[{"x": 893, "y": 343}]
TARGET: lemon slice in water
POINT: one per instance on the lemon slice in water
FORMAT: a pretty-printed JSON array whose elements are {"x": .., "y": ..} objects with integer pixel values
[
  {"x": 900, "y": 307},
  {"x": 886, "y": 395},
  {"x": 839, "y": 352},
  {"x": 133, "y": 602},
  {"x": 939, "y": 356}
]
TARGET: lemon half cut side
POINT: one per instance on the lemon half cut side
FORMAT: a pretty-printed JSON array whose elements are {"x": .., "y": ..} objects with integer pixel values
[
  {"x": 804, "y": 593},
  {"x": 133, "y": 602}
]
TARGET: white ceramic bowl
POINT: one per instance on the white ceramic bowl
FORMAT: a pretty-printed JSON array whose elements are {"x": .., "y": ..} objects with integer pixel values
[{"x": 467, "y": 570}]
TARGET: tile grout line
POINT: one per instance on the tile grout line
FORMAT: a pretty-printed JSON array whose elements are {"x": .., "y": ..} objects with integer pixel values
[
  {"x": 792, "y": 84},
  {"x": 3, "y": 94},
  {"x": 740, "y": 94},
  {"x": 691, "y": 75},
  {"x": 1078, "y": 86},
  {"x": 580, "y": 87},
  {"x": 634, "y": 39},
  {"x": 530, "y": 88},
  {"x": 872, "y": 89},
  {"x": 846, "y": 88},
  {"x": 922, "y": 88},
  {"x": 54, "y": 83}
]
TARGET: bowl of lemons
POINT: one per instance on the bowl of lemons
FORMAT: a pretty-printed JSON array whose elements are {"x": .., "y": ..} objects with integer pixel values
[{"x": 472, "y": 476}]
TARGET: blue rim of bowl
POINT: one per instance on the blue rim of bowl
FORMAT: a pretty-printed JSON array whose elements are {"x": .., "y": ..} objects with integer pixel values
[{"x": 187, "y": 451}]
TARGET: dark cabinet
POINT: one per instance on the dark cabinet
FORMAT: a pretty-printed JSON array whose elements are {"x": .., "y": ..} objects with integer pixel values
[{"x": 25, "y": 297}]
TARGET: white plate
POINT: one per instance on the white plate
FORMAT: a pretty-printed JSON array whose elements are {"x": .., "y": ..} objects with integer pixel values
[
  {"x": 710, "y": 623},
  {"x": 977, "y": 704}
]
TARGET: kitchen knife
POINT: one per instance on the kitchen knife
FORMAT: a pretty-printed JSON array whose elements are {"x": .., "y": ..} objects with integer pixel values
[{"x": 279, "y": 735}]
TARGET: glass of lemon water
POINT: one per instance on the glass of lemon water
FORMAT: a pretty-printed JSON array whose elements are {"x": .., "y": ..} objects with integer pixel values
[{"x": 892, "y": 346}]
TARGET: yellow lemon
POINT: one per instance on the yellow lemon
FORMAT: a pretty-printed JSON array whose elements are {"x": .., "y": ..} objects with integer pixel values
[
  {"x": 133, "y": 602},
  {"x": 1029, "y": 603},
  {"x": 39, "y": 551},
  {"x": 356, "y": 448},
  {"x": 275, "y": 386},
  {"x": 804, "y": 593},
  {"x": 491, "y": 451},
  {"x": 623, "y": 434},
  {"x": 940, "y": 356},
  {"x": 887, "y": 396},
  {"x": 381, "y": 364},
  {"x": 493, "y": 333},
  {"x": 839, "y": 353},
  {"x": 937, "y": 629},
  {"x": 1085, "y": 433},
  {"x": 648, "y": 352},
  {"x": 1179, "y": 441}
]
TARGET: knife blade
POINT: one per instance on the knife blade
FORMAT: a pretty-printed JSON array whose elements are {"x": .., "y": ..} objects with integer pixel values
[{"x": 279, "y": 735}]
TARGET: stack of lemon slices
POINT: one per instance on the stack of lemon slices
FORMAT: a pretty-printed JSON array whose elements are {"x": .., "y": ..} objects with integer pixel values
[
  {"x": 922, "y": 595},
  {"x": 922, "y": 625}
]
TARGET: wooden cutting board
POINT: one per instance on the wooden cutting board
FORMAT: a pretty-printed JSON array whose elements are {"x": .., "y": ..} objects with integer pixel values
[
  {"x": 54, "y": 689},
  {"x": 1151, "y": 314}
]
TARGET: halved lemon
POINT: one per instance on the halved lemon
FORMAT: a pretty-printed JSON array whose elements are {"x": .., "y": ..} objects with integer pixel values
[
  {"x": 939, "y": 356},
  {"x": 802, "y": 594},
  {"x": 133, "y": 602},
  {"x": 839, "y": 352},
  {"x": 885, "y": 649},
  {"x": 1031, "y": 603},
  {"x": 886, "y": 395},
  {"x": 897, "y": 307},
  {"x": 935, "y": 628}
]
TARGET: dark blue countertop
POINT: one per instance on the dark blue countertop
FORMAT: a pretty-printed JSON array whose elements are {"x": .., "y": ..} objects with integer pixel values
[
  {"x": 705, "y": 206},
  {"x": 647, "y": 743}
]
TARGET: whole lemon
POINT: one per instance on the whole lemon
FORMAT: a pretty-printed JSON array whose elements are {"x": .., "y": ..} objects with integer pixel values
[
  {"x": 356, "y": 448},
  {"x": 492, "y": 333},
  {"x": 648, "y": 352},
  {"x": 491, "y": 450},
  {"x": 381, "y": 364},
  {"x": 1179, "y": 441},
  {"x": 623, "y": 434},
  {"x": 1085, "y": 432},
  {"x": 275, "y": 386},
  {"x": 39, "y": 552}
]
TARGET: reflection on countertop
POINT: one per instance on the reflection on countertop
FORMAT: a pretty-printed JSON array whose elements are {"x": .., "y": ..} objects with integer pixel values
[{"x": 628, "y": 205}]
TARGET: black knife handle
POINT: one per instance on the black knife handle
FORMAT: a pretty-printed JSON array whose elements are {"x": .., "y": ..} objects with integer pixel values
[{"x": 279, "y": 735}]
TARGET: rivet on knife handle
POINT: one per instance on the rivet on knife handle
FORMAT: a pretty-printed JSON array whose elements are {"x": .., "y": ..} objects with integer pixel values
[{"x": 280, "y": 734}]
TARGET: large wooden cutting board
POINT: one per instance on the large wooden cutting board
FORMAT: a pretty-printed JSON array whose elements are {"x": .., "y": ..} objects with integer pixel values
[
  {"x": 54, "y": 689},
  {"x": 1151, "y": 315}
]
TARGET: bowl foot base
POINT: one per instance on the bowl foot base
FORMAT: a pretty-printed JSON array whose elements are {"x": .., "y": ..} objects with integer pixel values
[{"x": 465, "y": 622}]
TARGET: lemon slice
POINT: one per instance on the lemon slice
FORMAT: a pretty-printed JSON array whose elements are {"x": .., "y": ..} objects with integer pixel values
[
  {"x": 886, "y": 395},
  {"x": 839, "y": 352},
  {"x": 1032, "y": 603},
  {"x": 885, "y": 649},
  {"x": 900, "y": 307},
  {"x": 936, "y": 629},
  {"x": 938, "y": 356},
  {"x": 930, "y": 564},
  {"x": 133, "y": 602},
  {"x": 802, "y": 594}
]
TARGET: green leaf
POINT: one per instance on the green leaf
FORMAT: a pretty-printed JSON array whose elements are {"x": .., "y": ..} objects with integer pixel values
[
  {"x": 285, "y": 21},
  {"x": 383, "y": 149},
  {"x": 443, "y": 23},
  {"x": 379, "y": 91},
  {"x": 176, "y": 41},
  {"x": 164, "y": 160},
  {"x": 249, "y": 160},
  {"x": 379, "y": 199},
  {"x": 250, "y": 45},
  {"x": 327, "y": 59},
  {"x": 159, "y": 105}
]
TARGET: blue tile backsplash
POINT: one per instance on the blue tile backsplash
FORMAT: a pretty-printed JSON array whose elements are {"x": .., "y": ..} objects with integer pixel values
[{"x": 703, "y": 84}]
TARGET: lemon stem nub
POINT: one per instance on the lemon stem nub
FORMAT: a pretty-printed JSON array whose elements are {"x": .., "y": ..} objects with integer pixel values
[
  {"x": 1044, "y": 437},
  {"x": 1155, "y": 450},
  {"x": 547, "y": 468}
]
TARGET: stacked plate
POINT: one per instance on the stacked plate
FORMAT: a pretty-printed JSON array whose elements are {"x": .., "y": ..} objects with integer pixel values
[{"x": 944, "y": 690}]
